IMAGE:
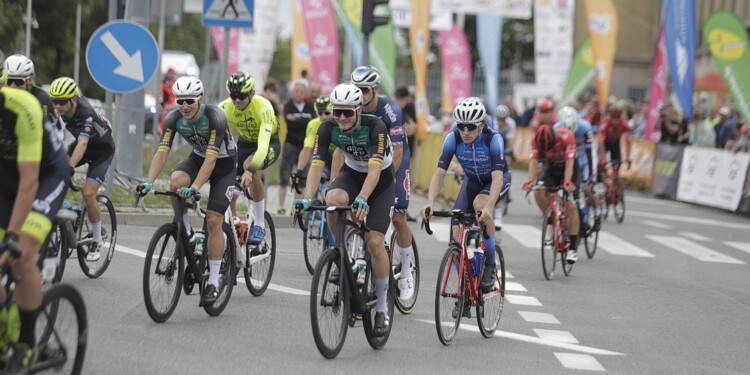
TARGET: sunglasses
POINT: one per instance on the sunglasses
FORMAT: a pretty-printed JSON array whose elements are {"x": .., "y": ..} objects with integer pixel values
[
  {"x": 345, "y": 112},
  {"x": 469, "y": 127},
  {"x": 59, "y": 102},
  {"x": 324, "y": 113},
  {"x": 240, "y": 96},
  {"x": 182, "y": 102},
  {"x": 16, "y": 81}
]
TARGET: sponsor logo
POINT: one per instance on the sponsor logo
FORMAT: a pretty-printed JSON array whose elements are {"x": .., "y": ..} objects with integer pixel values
[
  {"x": 713, "y": 165},
  {"x": 229, "y": 192},
  {"x": 726, "y": 44},
  {"x": 601, "y": 23}
]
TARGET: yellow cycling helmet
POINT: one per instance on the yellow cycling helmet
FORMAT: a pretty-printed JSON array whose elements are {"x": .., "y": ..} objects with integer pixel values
[
  {"x": 323, "y": 103},
  {"x": 63, "y": 88},
  {"x": 240, "y": 83}
]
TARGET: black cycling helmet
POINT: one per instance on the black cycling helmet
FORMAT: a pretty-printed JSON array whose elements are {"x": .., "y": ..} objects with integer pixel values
[{"x": 544, "y": 138}]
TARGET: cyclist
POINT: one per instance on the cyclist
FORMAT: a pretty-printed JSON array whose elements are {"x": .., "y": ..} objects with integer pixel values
[
  {"x": 257, "y": 145},
  {"x": 20, "y": 71},
  {"x": 366, "y": 179},
  {"x": 612, "y": 128},
  {"x": 323, "y": 107},
  {"x": 367, "y": 79},
  {"x": 93, "y": 145},
  {"x": 36, "y": 172},
  {"x": 480, "y": 152},
  {"x": 506, "y": 127},
  {"x": 214, "y": 160},
  {"x": 584, "y": 135},
  {"x": 545, "y": 115},
  {"x": 558, "y": 147}
]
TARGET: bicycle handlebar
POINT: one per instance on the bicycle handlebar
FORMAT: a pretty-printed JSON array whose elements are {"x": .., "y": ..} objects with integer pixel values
[
  {"x": 457, "y": 214},
  {"x": 338, "y": 209},
  {"x": 195, "y": 197}
]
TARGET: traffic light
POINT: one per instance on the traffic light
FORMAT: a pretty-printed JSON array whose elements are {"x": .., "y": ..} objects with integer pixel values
[{"x": 369, "y": 20}]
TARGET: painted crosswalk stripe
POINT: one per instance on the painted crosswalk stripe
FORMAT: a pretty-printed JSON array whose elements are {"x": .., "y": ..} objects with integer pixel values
[
  {"x": 657, "y": 224},
  {"x": 555, "y": 335},
  {"x": 692, "y": 249},
  {"x": 617, "y": 246},
  {"x": 537, "y": 317},
  {"x": 695, "y": 236},
  {"x": 508, "y": 275},
  {"x": 576, "y": 361},
  {"x": 689, "y": 219},
  {"x": 522, "y": 300},
  {"x": 527, "y": 235},
  {"x": 741, "y": 246},
  {"x": 511, "y": 286}
]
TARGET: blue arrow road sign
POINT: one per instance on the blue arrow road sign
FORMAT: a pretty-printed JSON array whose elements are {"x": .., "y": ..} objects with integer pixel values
[
  {"x": 228, "y": 13},
  {"x": 122, "y": 56}
]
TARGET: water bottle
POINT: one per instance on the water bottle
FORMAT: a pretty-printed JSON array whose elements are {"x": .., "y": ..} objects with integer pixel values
[
  {"x": 584, "y": 211},
  {"x": 236, "y": 222},
  {"x": 244, "y": 231},
  {"x": 198, "y": 238},
  {"x": 477, "y": 260}
]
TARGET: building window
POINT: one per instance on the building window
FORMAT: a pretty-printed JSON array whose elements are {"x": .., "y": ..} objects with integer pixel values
[{"x": 638, "y": 94}]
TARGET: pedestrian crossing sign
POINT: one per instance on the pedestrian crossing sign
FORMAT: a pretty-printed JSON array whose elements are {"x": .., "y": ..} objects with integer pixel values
[{"x": 228, "y": 13}]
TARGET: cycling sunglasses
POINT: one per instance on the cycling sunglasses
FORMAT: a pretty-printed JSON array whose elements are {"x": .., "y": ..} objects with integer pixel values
[
  {"x": 469, "y": 127},
  {"x": 182, "y": 102},
  {"x": 60, "y": 102},
  {"x": 324, "y": 113},
  {"x": 16, "y": 81},
  {"x": 346, "y": 112},
  {"x": 240, "y": 96}
]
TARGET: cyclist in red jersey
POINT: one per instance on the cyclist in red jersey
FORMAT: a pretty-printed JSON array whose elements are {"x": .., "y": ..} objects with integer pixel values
[
  {"x": 612, "y": 128},
  {"x": 545, "y": 115},
  {"x": 558, "y": 147}
]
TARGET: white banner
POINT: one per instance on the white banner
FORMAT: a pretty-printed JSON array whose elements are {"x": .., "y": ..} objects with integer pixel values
[
  {"x": 505, "y": 8},
  {"x": 553, "y": 43},
  {"x": 257, "y": 45},
  {"x": 401, "y": 15},
  {"x": 712, "y": 177}
]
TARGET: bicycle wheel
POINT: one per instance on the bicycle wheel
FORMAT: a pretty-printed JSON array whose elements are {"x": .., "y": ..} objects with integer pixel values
[
  {"x": 449, "y": 296},
  {"x": 315, "y": 239},
  {"x": 549, "y": 249},
  {"x": 619, "y": 206},
  {"x": 163, "y": 273},
  {"x": 94, "y": 269},
  {"x": 227, "y": 273},
  {"x": 329, "y": 304},
  {"x": 261, "y": 260},
  {"x": 368, "y": 292},
  {"x": 395, "y": 256},
  {"x": 53, "y": 256},
  {"x": 567, "y": 267},
  {"x": 491, "y": 308},
  {"x": 61, "y": 331},
  {"x": 592, "y": 237}
]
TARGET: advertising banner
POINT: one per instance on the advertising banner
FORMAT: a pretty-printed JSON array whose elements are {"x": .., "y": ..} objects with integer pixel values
[
  {"x": 679, "y": 36},
  {"x": 667, "y": 170},
  {"x": 658, "y": 93},
  {"x": 712, "y": 177},
  {"x": 489, "y": 42},
  {"x": 553, "y": 44},
  {"x": 257, "y": 45},
  {"x": 419, "y": 36},
  {"x": 323, "y": 42},
  {"x": 300, "y": 50},
  {"x": 456, "y": 60},
  {"x": 603, "y": 26},
  {"x": 506, "y": 8},
  {"x": 581, "y": 73}
]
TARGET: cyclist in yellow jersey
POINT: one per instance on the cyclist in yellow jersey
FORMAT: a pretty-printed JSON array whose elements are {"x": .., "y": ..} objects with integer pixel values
[
  {"x": 35, "y": 175},
  {"x": 258, "y": 145},
  {"x": 323, "y": 107}
]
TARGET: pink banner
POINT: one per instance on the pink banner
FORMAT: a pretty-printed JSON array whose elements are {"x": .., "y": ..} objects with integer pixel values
[
  {"x": 456, "y": 60},
  {"x": 658, "y": 93},
  {"x": 322, "y": 41},
  {"x": 217, "y": 34}
]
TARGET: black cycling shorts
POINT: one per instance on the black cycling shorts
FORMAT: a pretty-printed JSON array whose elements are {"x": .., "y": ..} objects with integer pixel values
[
  {"x": 381, "y": 199},
  {"x": 221, "y": 180},
  {"x": 553, "y": 176},
  {"x": 99, "y": 159},
  {"x": 245, "y": 149},
  {"x": 470, "y": 189}
]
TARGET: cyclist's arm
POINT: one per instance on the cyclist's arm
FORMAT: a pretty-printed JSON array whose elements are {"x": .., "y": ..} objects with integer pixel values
[
  {"x": 497, "y": 153},
  {"x": 304, "y": 157},
  {"x": 533, "y": 161},
  {"x": 337, "y": 162},
  {"x": 444, "y": 162},
  {"x": 587, "y": 141},
  {"x": 397, "y": 136},
  {"x": 157, "y": 164},
  {"x": 265, "y": 130},
  {"x": 29, "y": 154},
  {"x": 398, "y": 155},
  {"x": 306, "y": 153},
  {"x": 568, "y": 176},
  {"x": 375, "y": 163},
  {"x": 570, "y": 158},
  {"x": 319, "y": 155},
  {"x": 435, "y": 183},
  {"x": 81, "y": 145}
]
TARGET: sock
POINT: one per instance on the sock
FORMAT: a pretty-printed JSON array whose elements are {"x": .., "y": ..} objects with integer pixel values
[
  {"x": 258, "y": 210},
  {"x": 489, "y": 250},
  {"x": 405, "y": 259},
  {"x": 28, "y": 326},
  {"x": 186, "y": 221},
  {"x": 597, "y": 211},
  {"x": 573, "y": 241},
  {"x": 97, "y": 229},
  {"x": 213, "y": 272},
  {"x": 381, "y": 291}
]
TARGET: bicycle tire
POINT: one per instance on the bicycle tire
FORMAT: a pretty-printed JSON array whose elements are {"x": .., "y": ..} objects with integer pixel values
[
  {"x": 592, "y": 238},
  {"x": 549, "y": 253},
  {"x": 171, "y": 265},
  {"x": 395, "y": 260},
  {"x": 258, "y": 275},
  {"x": 491, "y": 308},
  {"x": 329, "y": 298},
  {"x": 94, "y": 269},
  {"x": 370, "y": 296},
  {"x": 312, "y": 245},
  {"x": 58, "y": 303},
  {"x": 619, "y": 206},
  {"x": 449, "y": 295},
  {"x": 567, "y": 267},
  {"x": 302, "y": 222},
  {"x": 54, "y": 250},
  {"x": 227, "y": 273}
]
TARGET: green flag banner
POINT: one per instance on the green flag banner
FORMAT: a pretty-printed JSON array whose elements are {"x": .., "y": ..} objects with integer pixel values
[
  {"x": 581, "y": 73},
  {"x": 727, "y": 39}
]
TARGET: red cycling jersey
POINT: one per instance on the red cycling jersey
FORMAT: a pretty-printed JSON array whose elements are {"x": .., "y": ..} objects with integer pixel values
[
  {"x": 536, "y": 122},
  {"x": 609, "y": 132},
  {"x": 563, "y": 150}
]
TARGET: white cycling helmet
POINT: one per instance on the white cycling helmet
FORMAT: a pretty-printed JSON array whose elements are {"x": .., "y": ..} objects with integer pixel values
[
  {"x": 365, "y": 76},
  {"x": 502, "y": 110},
  {"x": 346, "y": 94},
  {"x": 188, "y": 86},
  {"x": 469, "y": 111},
  {"x": 19, "y": 66},
  {"x": 569, "y": 118}
]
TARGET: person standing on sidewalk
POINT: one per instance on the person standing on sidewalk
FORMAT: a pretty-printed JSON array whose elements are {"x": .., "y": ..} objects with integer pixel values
[{"x": 297, "y": 113}]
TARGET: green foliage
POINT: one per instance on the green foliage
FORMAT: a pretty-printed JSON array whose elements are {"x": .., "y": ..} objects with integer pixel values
[{"x": 281, "y": 66}]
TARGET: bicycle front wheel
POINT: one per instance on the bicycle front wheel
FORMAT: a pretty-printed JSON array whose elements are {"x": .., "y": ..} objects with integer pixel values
[
  {"x": 93, "y": 266},
  {"x": 549, "y": 249},
  {"x": 619, "y": 206},
  {"x": 163, "y": 273},
  {"x": 227, "y": 273},
  {"x": 592, "y": 237},
  {"x": 491, "y": 308},
  {"x": 261, "y": 260},
  {"x": 449, "y": 296},
  {"x": 315, "y": 238},
  {"x": 62, "y": 331},
  {"x": 329, "y": 304},
  {"x": 405, "y": 307}
]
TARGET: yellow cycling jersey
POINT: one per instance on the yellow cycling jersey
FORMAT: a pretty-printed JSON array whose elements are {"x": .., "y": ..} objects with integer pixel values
[
  {"x": 249, "y": 121},
  {"x": 21, "y": 127},
  {"x": 311, "y": 132}
]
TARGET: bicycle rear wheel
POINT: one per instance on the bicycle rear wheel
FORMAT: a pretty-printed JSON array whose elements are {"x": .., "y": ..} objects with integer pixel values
[
  {"x": 329, "y": 304},
  {"x": 368, "y": 292},
  {"x": 619, "y": 206},
  {"x": 261, "y": 260},
  {"x": 405, "y": 307},
  {"x": 96, "y": 268},
  {"x": 549, "y": 249},
  {"x": 592, "y": 237},
  {"x": 315, "y": 238},
  {"x": 227, "y": 273},
  {"x": 449, "y": 296},
  {"x": 491, "y": 308},
  {"x": 53, "y": 256},
  {"x": 163, "y": 273},
  {"x": 62, "y": 331}
]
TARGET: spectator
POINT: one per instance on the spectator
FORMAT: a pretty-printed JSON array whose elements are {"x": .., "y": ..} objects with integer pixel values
[
  {"x": 672, "y": 126},
  {"x": 271, "y": 92},
  {"x": 297, "y": 113},
  {"x": 167, "y": 97},
  {"x": 741, "y": 135},
  {"x": 728, "y": 133},
  {"x": 638, "y": 122},
  {"x": 405, "y": 100},
  {"x": 724, "y": 114},
  {"x": 701, "y": 131},
  {"x": 528, "y": 113},
  {"x": 314, "y": 92}
]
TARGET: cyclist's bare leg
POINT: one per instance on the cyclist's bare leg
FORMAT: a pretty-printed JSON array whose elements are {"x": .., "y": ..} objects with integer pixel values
[
  {"x": 573, "y": 218},
  {"x": 177, "y": 180},
  {"x": 403, "y": 232},
  {"x": 89, "y": 197},
  {"x": 541, "y": 200},
  {"x": 479, "y": 203},
  {"x": 257, "y": 188},
  {"x": 376, "y": 246},
  {"x": 215, "y": 235},
  {"x": 28, "y": 291},
  {"x": 336, "y": 197}
]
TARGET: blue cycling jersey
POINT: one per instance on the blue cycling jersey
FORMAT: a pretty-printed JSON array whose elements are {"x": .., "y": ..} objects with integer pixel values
[
  {"x": 479, "y": 158},
  {"x": 390, "y": 113}
]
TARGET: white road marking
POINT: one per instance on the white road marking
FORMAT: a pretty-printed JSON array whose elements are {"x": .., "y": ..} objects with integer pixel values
[
  {"x": 522, "y": 300},
  {"x": 511, "y": 286},
  {"x": 656, "y": 202},
  {"x": 537, "y": 317},
  {"x": 695, "y": 236},
  {"x": 576, "y": 361},
  {"x": 689, "y": 219},
  {"x": 693, "y": 249},
  {"x": 741, "y": 246},
  {"x": 555, "y": 335},
  {"x": 508, "y": 275},
  {"x": 657, "y": 224},
  {"x": 527, "y": 235},
  {"x": 617, "y": 246},
  {"x": 127, "y": 250},
  {"x": 536, "y": 340}
]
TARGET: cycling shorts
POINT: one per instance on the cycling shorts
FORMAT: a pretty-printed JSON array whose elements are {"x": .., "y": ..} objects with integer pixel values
[
  {"x": 98, "y": 158},
  {"x": 221, "y": 180},
  {"x": 471, "y": 188},
  {"x": 380, "y": 201},
  {"x": 553, "y": 176},
  {"x": 245, "y": 149}
]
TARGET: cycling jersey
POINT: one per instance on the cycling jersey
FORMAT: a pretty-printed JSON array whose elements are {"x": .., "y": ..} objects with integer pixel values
[
  {"x": 609, "y": 132},
  {"x": 584, "y": 135},
  {"x": 507, "y": 129},
  {"x": 478, "y": 158},
  {"x": 87, "y": 123},
  {"x": 563, "y": 150},
  {"x": 536, "y": 122},
  {"x": 255, "y": 124},
  {"x": 209, "y": 135},
  {"x": 48, "y": 108},
  {"x": 312, "y": 131},
  {"x": 367, "y": 144}
]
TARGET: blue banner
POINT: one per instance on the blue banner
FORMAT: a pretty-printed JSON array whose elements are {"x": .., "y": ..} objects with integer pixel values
[
  {"x": 679, "y": 37},
  {"x": 489, "y": 40}
]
